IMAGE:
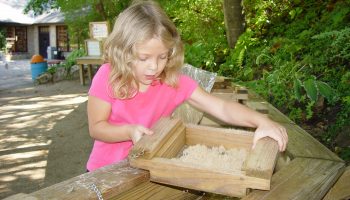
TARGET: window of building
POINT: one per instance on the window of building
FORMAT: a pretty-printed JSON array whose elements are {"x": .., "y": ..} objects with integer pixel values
[
  {"x": 62, "y": 38},
  {"x": 17, "y": 38}
]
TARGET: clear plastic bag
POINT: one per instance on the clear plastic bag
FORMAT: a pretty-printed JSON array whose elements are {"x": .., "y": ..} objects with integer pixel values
[{"x": 206, "y": 80}]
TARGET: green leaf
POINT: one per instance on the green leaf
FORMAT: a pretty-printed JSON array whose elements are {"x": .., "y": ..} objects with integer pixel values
[
  {"x": 325, "y": 90},
  {"x": 297, "y": 88},
  {"x": 311, "y": 89}
]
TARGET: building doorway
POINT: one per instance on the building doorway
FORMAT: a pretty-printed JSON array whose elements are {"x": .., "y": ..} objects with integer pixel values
[{"x": 44, "y": 40}]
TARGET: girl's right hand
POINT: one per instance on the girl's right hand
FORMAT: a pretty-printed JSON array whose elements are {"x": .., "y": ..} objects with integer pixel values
[{"x": 137, "y": 131}]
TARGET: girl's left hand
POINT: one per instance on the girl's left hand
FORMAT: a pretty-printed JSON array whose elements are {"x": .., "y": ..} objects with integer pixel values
[{"x": 273, "y": 130}]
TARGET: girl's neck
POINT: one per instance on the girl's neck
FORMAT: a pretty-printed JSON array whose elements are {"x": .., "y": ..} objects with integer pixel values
[{"x": 143, "y": 88}]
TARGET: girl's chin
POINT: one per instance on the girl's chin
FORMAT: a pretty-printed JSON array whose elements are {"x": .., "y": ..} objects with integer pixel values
[{"x": 145, "y": 83}]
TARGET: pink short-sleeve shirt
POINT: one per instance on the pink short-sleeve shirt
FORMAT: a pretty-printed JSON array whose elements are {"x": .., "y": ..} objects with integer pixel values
[{"x": 146, "y": 108}]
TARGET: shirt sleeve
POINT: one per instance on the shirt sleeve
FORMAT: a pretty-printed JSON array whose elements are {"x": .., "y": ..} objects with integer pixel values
[
  {"x": 99, "y": 87},
  {"x": 185, "y": 88}
]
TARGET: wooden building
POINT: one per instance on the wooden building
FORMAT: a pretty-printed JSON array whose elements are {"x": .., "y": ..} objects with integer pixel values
[{"x": 26, "y": 35}]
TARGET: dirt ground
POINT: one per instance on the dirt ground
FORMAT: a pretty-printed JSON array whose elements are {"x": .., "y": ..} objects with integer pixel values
[{"x": 44, "y": 135}]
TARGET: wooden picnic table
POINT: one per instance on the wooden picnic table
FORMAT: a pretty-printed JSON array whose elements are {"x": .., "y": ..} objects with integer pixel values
[
  {"x": 307, "y": 170},
  {"x": 88, "y": 61}
]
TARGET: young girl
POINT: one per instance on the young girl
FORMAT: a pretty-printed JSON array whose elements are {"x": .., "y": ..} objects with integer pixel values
[{"x": 142, "y": 83}]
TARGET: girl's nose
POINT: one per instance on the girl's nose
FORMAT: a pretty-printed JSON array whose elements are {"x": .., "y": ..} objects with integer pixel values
[{"x": 153, "y": 65}]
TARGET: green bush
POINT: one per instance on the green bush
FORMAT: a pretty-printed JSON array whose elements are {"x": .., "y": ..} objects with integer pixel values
[
  {"x": 2, "y": 39},
  {"x": 71, "y": 60}
]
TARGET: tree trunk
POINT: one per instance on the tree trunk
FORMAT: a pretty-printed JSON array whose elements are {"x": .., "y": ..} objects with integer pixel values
[
  {"x": 101, "y": 10},
  {"x": 234, "y": 21}
]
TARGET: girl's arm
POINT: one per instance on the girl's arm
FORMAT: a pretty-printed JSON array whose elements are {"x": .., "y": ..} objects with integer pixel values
[
  {"x": 100, "y": 129},
  {"x": 237, "y": 114}
]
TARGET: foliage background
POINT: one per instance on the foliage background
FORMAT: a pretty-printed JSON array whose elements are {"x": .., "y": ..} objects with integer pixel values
[
  {"x": 2, "y": 39},
  {"x": 295, "y": 53}
]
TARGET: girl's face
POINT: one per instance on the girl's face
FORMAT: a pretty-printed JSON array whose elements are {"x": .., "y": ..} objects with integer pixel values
[{"x": 152, "y": 56}]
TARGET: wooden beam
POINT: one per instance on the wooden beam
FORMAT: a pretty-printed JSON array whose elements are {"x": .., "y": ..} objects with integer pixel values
[
  {"x": 341, "y": 189},
  {"x": 258, "y": 106},
  {"x": 21, "y": 196},
  {"x": 154, "y": 191},
  {"x": 233, "y": 183},
  {"x": 211, "y": 136},
  {"x": 303, "y": 178},
  {"x": 109, "y": 180},
  {"x": 148, "y": 145},
  {"x": 262, "y": 159},
  {"x": 174, "y": 144},
  {"x": 302, "y": 144}
]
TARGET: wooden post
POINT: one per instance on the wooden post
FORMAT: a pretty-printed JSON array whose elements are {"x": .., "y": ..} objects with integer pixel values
[{"x": 81, "y": 74}]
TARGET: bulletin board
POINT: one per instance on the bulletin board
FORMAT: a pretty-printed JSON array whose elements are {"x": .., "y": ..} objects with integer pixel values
[
  {"x": 93, "y": 47},
  {"x": 99, "y": 30}
]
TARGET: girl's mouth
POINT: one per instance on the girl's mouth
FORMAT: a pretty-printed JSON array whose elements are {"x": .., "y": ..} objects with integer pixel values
[{"x": 150, "y": 77}]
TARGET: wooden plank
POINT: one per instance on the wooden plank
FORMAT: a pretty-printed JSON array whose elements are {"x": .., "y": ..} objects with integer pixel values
[
  {"x": 94, "y": 60},
  {"x": 222, "y": 83},
  {"x": 227, "y": 90},
  {"x": 283, "y": 160},
  {"x": 234, "y": 183},
  {"x": 242, "y": 94},
  {"x": 224, "y": 95},
  {"x": 302, "y": 144},
  {"x": 341, "y": 189},
  {"x": 211, "y": 136},
  {"x": 141, "y": 163},
  {"x": 174, "y": 144},
  {"x": 262, "y": 159},
  {"x": 21, "y": 196},
  {"x": 148, "y": 145},
  {"x": 303, "y": 178},
  {"x": 154, "y": 191},
  {"x": 258, "y": 106},
  {"x": 277, "y": 115},
  {"x": 110, "y": 180}
]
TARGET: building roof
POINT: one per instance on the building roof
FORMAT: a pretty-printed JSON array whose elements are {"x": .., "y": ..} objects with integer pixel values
[
  {"x": 52, "y": 17},
  {"x": 11, "y": 12}
]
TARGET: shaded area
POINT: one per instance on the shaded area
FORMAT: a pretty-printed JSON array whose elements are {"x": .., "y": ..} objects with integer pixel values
[
  {"x": 43, "y": 131},
  {"x": 73, "y": 145}
]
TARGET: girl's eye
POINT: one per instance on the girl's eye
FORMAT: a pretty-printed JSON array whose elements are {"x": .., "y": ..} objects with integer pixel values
[
  {"x": 143, "y": 59},
  {"x": 164, "y": 57}
]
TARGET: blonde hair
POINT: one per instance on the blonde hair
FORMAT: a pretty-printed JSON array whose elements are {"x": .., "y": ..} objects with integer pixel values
[{"x": 140, "y": 22}]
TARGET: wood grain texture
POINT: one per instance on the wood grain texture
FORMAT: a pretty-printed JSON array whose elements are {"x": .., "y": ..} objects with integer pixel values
[
  {"x": 148, "y": 145},
  {"x": 262, "y": 159},
  {"x": 341, "y": 189},
  {"x": 154, "y": 191},
  {"x": 21, "y": 196},
  {"x": 110, "y": 180},
  {"x": 174, "y": 144},
  {"x": 303, "y": 178},
  {"x": 211, "y": 136},
  {"x": 233, "y": 183},
  {"x": 258, "y": 106},
  {"x": 302, "y": 144}
]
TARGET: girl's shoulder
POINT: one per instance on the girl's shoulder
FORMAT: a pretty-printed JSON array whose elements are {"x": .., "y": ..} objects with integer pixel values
[
  {"x": 184, "y": 79},
  {"x": 106, "y": 67},
  {"x": 104, "y": 70}
]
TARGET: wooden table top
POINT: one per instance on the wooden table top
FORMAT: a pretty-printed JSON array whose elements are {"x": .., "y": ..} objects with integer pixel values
[{"x": 90, "y": 60}]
